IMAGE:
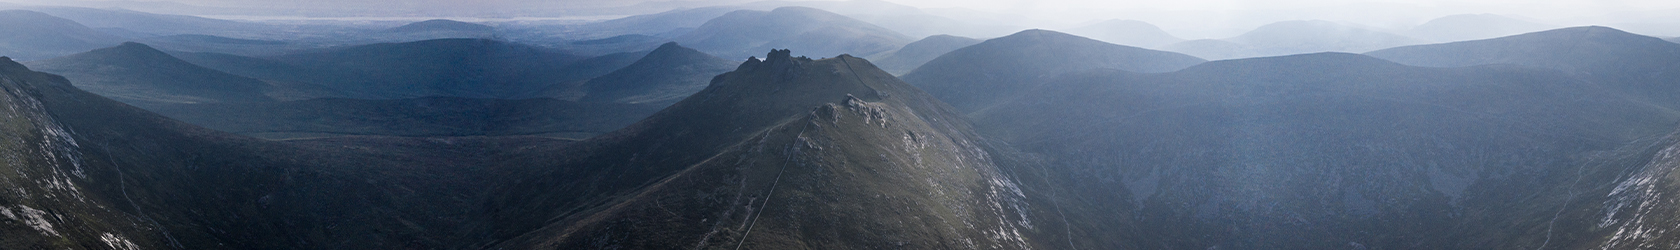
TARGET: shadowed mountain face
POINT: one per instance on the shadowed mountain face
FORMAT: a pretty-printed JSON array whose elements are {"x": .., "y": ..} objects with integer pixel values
[
  {"x": 915, "y": 54},
  {"x": 1472, "y": 27},
  {"x": 30, "y": 35},
  {"x": 1638, "y": 65},
  {"x": 86, "y": 171},
  {"x": 1127, "y": 32},
  {"x": 1254, "y": 153},
  {"x": 139, "y": 75},
  {"x": 745, "y": 33},
  {"x": 977, "y": 77},
  {"x": 782, "y": 153},
  {"x": 471, "y": 68},
  {"x": 1293, "y": 37}
]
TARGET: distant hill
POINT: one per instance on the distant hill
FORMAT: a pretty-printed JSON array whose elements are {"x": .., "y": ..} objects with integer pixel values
[
  {"x": 760, "y": 156},
  {"x": 657, "y": 23},
  {"x": 136, "y": 74},
  {"x": 1638, "y": 65},
  {"x": 1674, "y": 39},
  {"x": 915, "y": 54},
  {"x": 666, "y": 75},
  {"x": 470, "y": 68},
  {"x": 441, "y": 25},
  {"x": 977, "y": 77},
  {"x": 225, "y": 45},
  {"x": 1126, "y": 32},
  {"x": 745, "y": 33},
  {"x": 30, "y": 35},
  {"x": 1294, "y": 37},
  {"x": 1473, "y": 27},
  {"x": 1197, "y": 157},
  {"x": 429, "y": 116}
]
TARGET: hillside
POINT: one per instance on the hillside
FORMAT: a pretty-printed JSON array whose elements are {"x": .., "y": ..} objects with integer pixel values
[
  {"x": 666, "y": 75},
  {"x": 763, "y": 155},
  {"x": 813, "y": 32},
  {"x": 1472, "y": 27},
  {"x": 139, "y": 75},
  {"x": 915, "y": 54},
  {"x": 1635, "y": 64},
  {"x": 1338, "y": 146},
  {"x": 977, "y": 77},
  {"x": 30, "y": 35},
  {"x": 1126, "y": 32},
  {"x": 441, "y": 25},
  {"x": 428, "y": 116},
  {"x": 1294, "y": 37},
  {"x": 84, "y": 171}
]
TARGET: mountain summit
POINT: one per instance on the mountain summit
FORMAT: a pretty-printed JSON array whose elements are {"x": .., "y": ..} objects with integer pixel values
[{"x": 785, "y": 152}]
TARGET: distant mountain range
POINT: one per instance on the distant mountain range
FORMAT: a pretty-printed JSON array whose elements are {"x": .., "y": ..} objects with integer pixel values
[
  {"x": 987, "y": 74},
  {"x": 140, "y": 75},
  {"x": 1473, "y": 27},
  {"x": 744, "y": 33},
  {"x": 471, "y": 68},
  {"x": 30, "y": 35},
  {"x": 1126, "y": 32},
  {"x": 1293, "y": 37},
  {"x": 915, "y": 54}
]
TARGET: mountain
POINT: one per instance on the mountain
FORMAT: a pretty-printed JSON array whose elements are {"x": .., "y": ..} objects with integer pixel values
[
  {"x": 743, "y": 33},
  {"x": 30, "y": 35},
  {"x": 1331, "y": 150},
  {"x": 1638, "y": 65},
  {"x": 83, "y": 171},
  {"x": 1472, "y": 27},
  {"x": 868, "y": 161},
  {"x": 1126, "y": 32},
  {"x": 136, "y": 74},
  {"x": 666, "y": 75},
  {"x": 470, "y": 68},
  {"x": 1294, "y": 37},
  {"x": 155, "y": 24},
  {"x": 915, "y": 54},
  {"x": 417, "y": 117},
  {"x": 978, "y": 77},
  {"x": 1674, "y": 39}
]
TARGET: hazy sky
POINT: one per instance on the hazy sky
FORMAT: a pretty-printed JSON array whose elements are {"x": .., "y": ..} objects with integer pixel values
[{"x": 1194, "y": 18}]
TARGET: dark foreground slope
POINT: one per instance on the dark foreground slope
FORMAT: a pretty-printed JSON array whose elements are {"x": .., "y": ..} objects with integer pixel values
[
  {"x": 85, "y": 172},
  {"x": 1331, "y": 150},
  {"x": 976, "y": 77},
  {"x": 783, "y": 153}
]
